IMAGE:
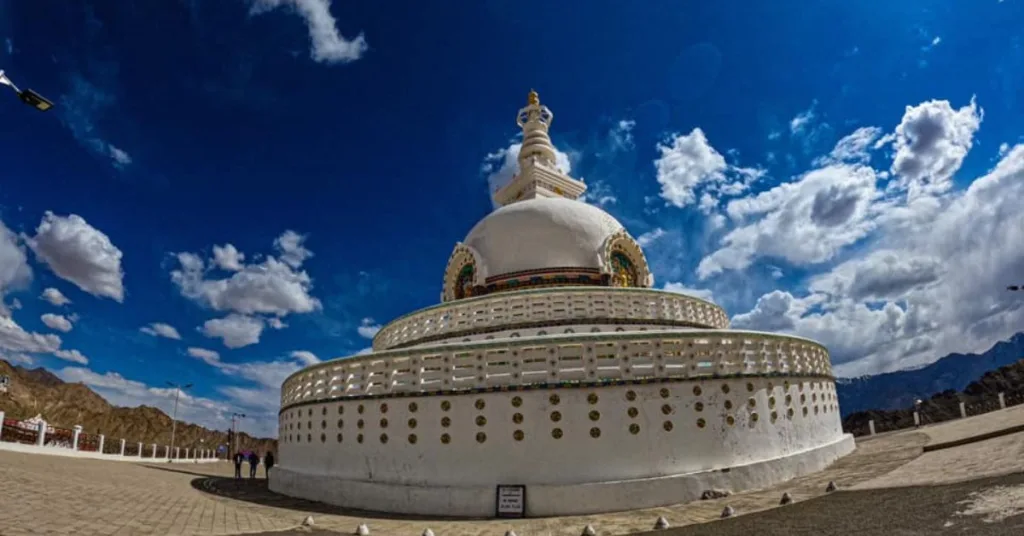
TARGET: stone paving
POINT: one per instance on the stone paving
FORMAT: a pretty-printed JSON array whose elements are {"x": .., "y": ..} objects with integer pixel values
[{"x": 56, "y": 495}]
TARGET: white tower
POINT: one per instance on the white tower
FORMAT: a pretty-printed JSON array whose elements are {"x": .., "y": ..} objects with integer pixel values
[{"x": 538, "y": 175}]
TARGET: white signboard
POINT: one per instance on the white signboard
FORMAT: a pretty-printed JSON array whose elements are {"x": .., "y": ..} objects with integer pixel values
[{"x": 511, "y": 501}]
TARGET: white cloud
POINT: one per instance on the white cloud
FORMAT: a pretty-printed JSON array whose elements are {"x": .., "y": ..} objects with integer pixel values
[
  {"x": 120, "y": 157},
  {"x": 124, "y": 392},
  {"x": 209, "y": 356},
  {"x": 368, "y": 328},
  {"x": 326, "y": 42},
  {"x": 159, "y": 329},
  {"x": 689, "y": 168},
  {"x": 679, "y": 288},
  {"x": 503, "y": 164},
  {"x": 13, "y": 338},
  {"x": 804, "y": 222},
  {"x": 800, "y": 122},
  {"x": 931, "y": 142},
  {"x": 929, "y": 286},
  {"x": 853, "y": 148},
  {"x": 73, "y": 356},
  {"x": 305, "y": 357},
  {"x": 235, "y": 330},
  {"x": 55, "y": 297},
  {"x": 227, "y": 257},
  {"x": 276, "y": 323},
  {"x": 686, "y": 162},
  {"x": 650, "y": 237},
  {"x": 57, "y": 322},
  {"x": 292, "y": 249},
  {"x": 622, "y": 134},
  {"x": 15, "y": 272},
  {"x": 79, "y": 253},
  {"x": 599, "y": 194},
  {"x": 273, "y": 287}
]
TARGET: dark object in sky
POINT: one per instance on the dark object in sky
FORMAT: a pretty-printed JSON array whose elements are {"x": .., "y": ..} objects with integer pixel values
[
  {"x": 35, "y": 100},
  {"x": 1013, "y": 287}
]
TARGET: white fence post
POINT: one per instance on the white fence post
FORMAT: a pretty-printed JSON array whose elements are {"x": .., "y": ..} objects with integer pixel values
[
  {"x": 871, "y": 426},
  {"x": 917, "y": 418},
  {"x": 1002, "y": 401},
  {"x": 122, "y": 447},
  {"x": 103, "y": 439},
  {"x": 177, "y": 452},
  {"x": 41, "y": 434},
  {"x": 168, "y": 451},
  {"x": 186, "y": 453},
  {"x": 74, "y": 438},
  {"x": 963, "y": 410},
  {"x": 1, "y": 424},
  {"x": 140, "y": 449},
  {"x": 154, "y": 451}
]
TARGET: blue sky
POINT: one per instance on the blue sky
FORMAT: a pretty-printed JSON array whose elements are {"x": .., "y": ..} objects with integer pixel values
[{"x": 845, "y": 171}]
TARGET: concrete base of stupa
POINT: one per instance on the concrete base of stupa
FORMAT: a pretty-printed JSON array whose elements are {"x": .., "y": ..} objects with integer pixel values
[{"x": 544, "y": 500}]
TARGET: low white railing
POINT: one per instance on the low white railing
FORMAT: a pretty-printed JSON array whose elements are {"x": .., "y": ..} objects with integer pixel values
[
  {"x": 585, "y": 305},
  {"x": 557, "y": 359}
]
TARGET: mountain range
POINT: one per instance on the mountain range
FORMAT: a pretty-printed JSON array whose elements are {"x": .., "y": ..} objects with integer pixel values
[
  {"x": 897, "y": 390},
  {"x": 61, "y": 404}
]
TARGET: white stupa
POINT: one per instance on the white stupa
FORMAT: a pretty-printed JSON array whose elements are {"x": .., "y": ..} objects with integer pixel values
[{"x": 554, "y": 377}]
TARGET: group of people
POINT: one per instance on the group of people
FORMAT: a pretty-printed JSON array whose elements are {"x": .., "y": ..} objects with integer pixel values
[{"x": 254, "y": 462}]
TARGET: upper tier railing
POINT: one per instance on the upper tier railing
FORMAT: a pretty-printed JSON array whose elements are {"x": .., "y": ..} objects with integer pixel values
[
  {"x": 580, "y": 305},
  {"x": 558, "y": 359}
]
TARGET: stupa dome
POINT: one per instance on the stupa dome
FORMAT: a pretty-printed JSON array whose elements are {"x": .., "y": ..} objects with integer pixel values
[{"x": 542, "y": 233}]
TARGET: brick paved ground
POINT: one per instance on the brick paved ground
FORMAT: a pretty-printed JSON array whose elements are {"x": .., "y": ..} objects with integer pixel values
[{"x": 54, "y": 495}]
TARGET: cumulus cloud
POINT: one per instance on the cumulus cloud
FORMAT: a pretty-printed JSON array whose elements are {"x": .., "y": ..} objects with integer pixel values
[
  {"x": 804, "y": 222},
  {"x": 853, "y": 148},
  {"x": 689, "y": 168},
  {"x": 235, "y": 330},
  {"x": 305, "y": 357},
  {"x": 73, "y": 356},
  {"x": 79, "y": 253},
  {"x": 931, "y": 142},
  {"x": 55, "y": 297},
  {"x": 15, "y": 272},
  {"x": 327, "y": 45},
  {"x": 368, "y": 328},
  {"x": 227, "y": 257},
  {"x": 14, "y": 338},
  {"x": 57, "y": 322},
  {"x": 275, "y": 286},
  {"x": 800, "y": 122},
  {"x": 929, "y": 285},
  {"x": 159, "y": 329}
]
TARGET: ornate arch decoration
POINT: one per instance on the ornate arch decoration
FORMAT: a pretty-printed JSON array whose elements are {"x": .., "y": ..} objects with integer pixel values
[
  {"x": 464, "y": 273},
  {"x": 624, "y": 262}
]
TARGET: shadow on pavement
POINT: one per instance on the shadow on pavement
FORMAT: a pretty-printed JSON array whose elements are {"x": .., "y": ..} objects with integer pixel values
[
  {"x": 256, "y": 491},
  {"x": 909, "y": 511}
]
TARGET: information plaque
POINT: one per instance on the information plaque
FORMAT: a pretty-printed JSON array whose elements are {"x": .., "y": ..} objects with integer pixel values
[{"x": 511, "y": 501}]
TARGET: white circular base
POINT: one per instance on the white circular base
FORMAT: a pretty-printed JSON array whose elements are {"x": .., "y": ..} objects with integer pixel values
[{"x": 554, "y": 500}]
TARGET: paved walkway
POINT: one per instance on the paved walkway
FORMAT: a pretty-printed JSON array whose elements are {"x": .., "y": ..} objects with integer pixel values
[{"x": 55, "y": 495}]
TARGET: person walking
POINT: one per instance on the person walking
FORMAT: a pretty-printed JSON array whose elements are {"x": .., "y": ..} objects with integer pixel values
[
  {"x": 239, "y": 458},
  {"x": 254, "y": 462},
  {"x": 268, "y": 462}
]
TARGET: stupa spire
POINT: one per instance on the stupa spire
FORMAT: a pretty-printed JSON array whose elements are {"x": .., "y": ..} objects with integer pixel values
[{"x": 539, "y": 175}]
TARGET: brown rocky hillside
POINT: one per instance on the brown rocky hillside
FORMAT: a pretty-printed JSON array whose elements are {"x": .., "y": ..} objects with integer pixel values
[
  {"x": 979, "y": 396},
  {"x": 39, "y": 392}
]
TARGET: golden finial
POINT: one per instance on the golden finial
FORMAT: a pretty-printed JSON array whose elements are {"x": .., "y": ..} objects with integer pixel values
[{"x": 533, "y": 98}]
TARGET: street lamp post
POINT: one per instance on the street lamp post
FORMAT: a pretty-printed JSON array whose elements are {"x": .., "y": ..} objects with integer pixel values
[
  {"x": 174, "y": 417},
  {"x": 235, "y": 417},
  {"x": 27, "y": 96}
]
